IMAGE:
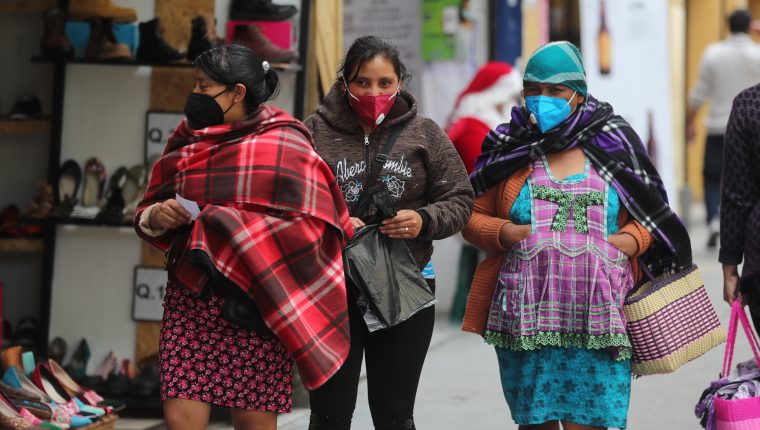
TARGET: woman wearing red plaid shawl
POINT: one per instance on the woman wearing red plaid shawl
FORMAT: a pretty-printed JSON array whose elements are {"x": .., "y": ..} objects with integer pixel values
[
  {"x": 432, "y": 197},
  {"x": 271, "y": 228}
]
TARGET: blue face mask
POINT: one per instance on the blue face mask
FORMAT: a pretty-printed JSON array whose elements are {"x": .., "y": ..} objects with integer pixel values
[{"x": 547, "y": 112}]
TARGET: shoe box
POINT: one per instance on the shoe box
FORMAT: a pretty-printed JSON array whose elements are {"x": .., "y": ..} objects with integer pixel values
[
  {"x": 78, "y": 33},
  {"x": 280, "y": 33}
]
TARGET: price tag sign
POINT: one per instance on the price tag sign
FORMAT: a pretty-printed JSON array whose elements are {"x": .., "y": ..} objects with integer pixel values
[
  {"x": 159, "y": 126},
  {"x": 148, "y": 294}
]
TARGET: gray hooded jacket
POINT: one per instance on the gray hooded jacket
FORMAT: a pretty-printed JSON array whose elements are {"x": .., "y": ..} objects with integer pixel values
[{"x": 423, "y": 171}]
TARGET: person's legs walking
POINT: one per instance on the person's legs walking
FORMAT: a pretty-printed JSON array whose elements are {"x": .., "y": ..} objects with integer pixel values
[
  {"x": 253, "y": 420},
  {"x": 394, "y": 363},
  {"x": 713, "y": 168},
  {"x": 332, "y": 404},
  {"x": 182, "y": 414}
]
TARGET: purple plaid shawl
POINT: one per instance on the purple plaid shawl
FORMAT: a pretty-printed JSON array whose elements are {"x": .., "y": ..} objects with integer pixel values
[{"x": 619, "y": 156}]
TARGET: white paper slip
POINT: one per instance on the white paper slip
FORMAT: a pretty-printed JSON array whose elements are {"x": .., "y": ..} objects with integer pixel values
[{"x": 190, "y": 205}]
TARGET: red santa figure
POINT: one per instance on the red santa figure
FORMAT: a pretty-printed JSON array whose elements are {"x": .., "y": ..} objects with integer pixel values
[{"x": 484, "y": 104}]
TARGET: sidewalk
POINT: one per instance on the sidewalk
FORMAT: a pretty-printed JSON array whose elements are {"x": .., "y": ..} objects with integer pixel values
[{"x": 460, "y": 387}]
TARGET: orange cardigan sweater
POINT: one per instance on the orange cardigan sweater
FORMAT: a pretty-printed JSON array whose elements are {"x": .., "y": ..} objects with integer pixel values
[{"x": 489, "y": 215}]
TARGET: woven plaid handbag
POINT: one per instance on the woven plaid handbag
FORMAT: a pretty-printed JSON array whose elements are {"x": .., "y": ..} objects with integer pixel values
[{"x": 671, "y": 322}]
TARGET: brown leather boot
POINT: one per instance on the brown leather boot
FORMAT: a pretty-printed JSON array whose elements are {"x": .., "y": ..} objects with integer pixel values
[
  {"x": 252, "y": 37},
  {"x": 82, "y": 10},
  {"x": 102, "y": 44},
  {"x": 54, "y": 42}
]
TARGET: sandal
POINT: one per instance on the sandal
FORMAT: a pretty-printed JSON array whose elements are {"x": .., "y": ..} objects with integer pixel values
[
  {"x": 94, "y": 182},
  {"x": 42, "y": 203},
  {"x": 69, "y": 178},
  {"x": 112, "y": 212},
  {"x": 134, "y": 191}
]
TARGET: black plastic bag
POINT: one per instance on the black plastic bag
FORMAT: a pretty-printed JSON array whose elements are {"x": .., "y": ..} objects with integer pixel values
[{"x": 391, "y": 287}]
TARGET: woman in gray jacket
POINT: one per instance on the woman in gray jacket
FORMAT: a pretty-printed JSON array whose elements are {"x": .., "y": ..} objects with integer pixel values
[{"x": 432, "y": 197}]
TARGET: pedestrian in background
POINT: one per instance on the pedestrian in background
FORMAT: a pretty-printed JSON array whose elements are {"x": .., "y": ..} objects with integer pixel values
[
  {"x": 429, "y": 190},
  {"x": 740, "y": 203},
  {"x": 564, "y": 191},
  {"x": 252, "y": 283},
  {"x": 726, "y": 68}
]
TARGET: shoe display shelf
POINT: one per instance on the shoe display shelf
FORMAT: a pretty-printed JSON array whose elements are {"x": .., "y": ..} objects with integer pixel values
[
  {"x": 280, "y": 67},
  {"x": 21, "y": 245},
  {"x": 12, "y": 126},
  {"x": 26, "y": 6},
  {"x": 25, "y": 126}
]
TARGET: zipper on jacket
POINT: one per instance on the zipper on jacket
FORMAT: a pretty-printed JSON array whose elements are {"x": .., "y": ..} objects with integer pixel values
[{"x": 366, "y": 156}]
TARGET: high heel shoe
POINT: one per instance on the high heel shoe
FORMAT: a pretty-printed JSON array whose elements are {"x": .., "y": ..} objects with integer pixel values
[
  {"x": 78, "y": 363},
  {"x": 11, "y": 418},
  {"x": 46, "y": 381},
  {"x": 15, "y": 378},
  {"x": 89, "y": 399}
]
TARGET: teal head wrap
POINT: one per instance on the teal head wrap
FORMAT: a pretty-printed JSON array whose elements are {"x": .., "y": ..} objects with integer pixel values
[{"x": 558, "y": 63}]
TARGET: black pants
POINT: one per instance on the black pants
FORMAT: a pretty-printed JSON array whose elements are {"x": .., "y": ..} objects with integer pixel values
[
  {"x": 711, "y": 174},
  {"x": 394, "y": 362},
  {"x": 751, "y": 289}
]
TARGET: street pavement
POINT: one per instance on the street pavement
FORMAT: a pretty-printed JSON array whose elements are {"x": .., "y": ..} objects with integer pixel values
[{"x": 460, "y": 388}]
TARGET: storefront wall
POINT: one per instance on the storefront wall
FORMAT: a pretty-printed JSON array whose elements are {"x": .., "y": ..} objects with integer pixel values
[{"x": 104, "y": 116}]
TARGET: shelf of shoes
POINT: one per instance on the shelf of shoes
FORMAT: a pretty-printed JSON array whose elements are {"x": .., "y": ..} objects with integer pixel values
[
  {"x": 26, "y": 6},
  {"x": 24, "y": 126},
  {"x": 282, "y": 67},
  {"x": 21, "y": 245}
]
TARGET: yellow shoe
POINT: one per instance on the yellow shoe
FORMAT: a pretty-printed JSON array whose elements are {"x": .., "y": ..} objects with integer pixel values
[{"x": 81, "y": 10}]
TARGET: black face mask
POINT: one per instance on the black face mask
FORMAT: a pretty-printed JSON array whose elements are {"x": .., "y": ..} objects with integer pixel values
[{"x": 203, "y": 111}]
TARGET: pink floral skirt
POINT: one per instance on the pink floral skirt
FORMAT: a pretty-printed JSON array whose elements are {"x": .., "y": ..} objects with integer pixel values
[{"x": 208, "y": 359}]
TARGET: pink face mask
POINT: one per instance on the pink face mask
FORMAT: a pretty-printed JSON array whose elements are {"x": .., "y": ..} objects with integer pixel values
[{"x": 371, "y": 110}]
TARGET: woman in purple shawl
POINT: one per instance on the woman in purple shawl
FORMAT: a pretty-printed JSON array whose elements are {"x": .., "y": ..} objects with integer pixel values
[{"x": 574, "y": 213}]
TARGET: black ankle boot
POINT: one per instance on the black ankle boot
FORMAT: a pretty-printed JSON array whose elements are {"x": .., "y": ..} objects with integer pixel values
[
  {"x": 324, "y": 422},
  {"x": 402, "y": 424},
  {"x": 202, "y": 38},
  {"x": 260, "y": 10},
  {"x": 153, "y": 47}
]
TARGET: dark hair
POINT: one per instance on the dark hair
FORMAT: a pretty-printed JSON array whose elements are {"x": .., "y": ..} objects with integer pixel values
[
  {"x": 236, "y": 64},
  {"x": 739, "y": 21},
  {"x": 366, "y": 48}
]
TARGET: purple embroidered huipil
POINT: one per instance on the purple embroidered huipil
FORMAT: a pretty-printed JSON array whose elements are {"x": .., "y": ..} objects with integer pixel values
[{"x": 564, "y": 285}]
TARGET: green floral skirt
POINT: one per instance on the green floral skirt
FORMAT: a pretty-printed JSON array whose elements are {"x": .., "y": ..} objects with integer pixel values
[{"x": 567, "y": 384}]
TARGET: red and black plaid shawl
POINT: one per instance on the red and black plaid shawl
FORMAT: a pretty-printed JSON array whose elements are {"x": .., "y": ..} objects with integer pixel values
[{"x": 273, "y": 221}]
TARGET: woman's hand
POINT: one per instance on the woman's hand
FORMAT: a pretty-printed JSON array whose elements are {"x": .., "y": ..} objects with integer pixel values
[
  {"x": 357, "y": 223},
  {"x": 511, "y": 233},
  {"x": 407, "y": 224},
  {"x": 731, "y": 284},
  {"x": 168, "y": 214},
  {"x": 626, "y": 243}
]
